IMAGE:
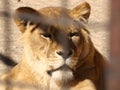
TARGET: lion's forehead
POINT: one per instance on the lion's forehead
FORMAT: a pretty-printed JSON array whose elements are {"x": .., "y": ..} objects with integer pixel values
[
  {"x": 60, "y": 18},
  {"x": 53, "y": 11}
]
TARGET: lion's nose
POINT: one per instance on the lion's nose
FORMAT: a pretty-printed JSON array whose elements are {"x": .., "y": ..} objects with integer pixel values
[{"x": 65, "y": 54}]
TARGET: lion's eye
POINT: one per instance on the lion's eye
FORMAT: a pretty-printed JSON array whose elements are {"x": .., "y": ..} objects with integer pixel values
[
  {"x": 46, "y": 35},
  {"x": 73, "y": 34}
]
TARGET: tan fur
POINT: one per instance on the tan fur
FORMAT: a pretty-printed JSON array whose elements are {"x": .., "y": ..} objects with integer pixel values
[{"x": 59, "y": 54}]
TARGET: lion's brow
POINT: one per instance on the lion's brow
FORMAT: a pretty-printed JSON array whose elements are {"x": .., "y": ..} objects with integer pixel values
[{"x": 45, "y": 22}]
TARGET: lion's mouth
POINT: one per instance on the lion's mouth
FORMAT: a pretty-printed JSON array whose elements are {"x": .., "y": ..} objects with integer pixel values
[{"x": 62, "y": 68}]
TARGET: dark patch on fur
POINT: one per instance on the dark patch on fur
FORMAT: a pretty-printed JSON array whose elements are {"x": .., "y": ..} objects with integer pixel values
[{"x": 7, "y": 60}]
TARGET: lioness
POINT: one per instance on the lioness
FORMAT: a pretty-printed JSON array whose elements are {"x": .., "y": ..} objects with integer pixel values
[{"x": 59, "y": 54}]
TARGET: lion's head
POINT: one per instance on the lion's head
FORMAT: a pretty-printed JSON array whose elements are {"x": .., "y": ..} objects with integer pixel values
[{"x": 55, "y": 39}]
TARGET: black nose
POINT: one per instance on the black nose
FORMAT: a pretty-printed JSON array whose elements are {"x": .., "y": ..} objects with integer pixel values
[{"x": 65, "y": 54}]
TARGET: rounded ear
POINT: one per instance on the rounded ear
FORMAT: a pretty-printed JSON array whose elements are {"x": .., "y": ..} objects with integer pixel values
[
  {"x": 23, "y": 15},
  {"x": 81, "y": 11}
]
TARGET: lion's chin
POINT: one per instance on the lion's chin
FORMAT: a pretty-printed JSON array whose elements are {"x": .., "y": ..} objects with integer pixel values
[{"x": 62, "y": 77}]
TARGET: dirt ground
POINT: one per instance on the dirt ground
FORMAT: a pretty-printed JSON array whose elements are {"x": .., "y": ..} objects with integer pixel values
[{"x": 11, "y": 45}]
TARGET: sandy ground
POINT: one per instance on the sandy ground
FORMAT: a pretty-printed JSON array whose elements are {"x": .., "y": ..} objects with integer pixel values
[{"x": 11, "y": 45}]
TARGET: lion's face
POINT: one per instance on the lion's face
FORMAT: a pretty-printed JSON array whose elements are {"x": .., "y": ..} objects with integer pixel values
[{"x": 55, "y": 41}]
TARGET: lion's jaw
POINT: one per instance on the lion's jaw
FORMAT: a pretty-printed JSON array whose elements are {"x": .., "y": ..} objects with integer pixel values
[
  {"x": 60, "y": 72},
  {"x": 57, "y": 72},
  {"x": 62, "y": 77}
]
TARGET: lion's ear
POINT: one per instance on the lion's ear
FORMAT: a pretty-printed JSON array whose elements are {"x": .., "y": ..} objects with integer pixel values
[
  {"x": 81, "y": 11},
  {"x": 23, "y": 15}
]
